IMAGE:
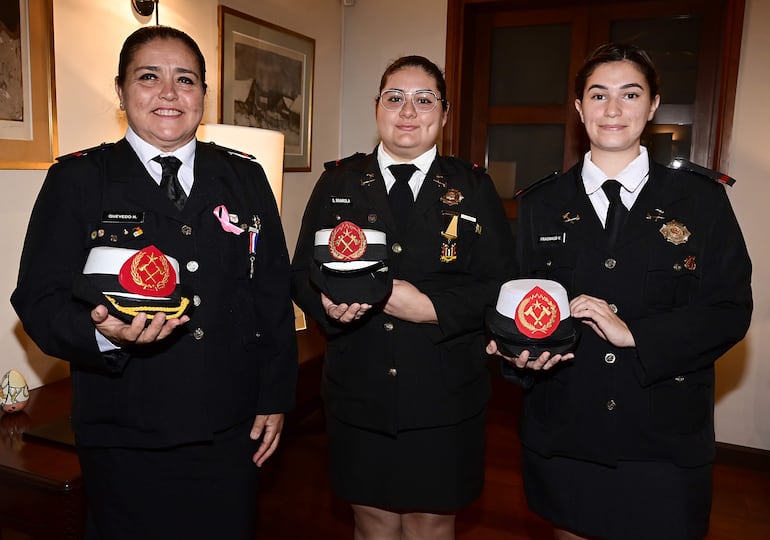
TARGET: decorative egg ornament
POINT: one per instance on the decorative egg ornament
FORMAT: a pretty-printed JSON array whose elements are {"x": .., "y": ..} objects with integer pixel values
[{"x": 14, "y": 392}]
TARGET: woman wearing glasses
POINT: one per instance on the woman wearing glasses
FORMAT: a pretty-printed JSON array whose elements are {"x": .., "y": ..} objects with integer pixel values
[{"x": 405, "y": 382}]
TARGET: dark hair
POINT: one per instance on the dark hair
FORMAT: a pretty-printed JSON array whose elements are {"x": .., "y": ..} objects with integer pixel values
[
  {"x": 145, "y": 35},
  {"x": 618, "y": 52},
  {"x": 423, "y": 63}
]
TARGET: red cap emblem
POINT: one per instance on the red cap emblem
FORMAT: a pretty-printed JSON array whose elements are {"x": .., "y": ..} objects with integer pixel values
[
  {"x": 148, "y": 272},
  {"x": 347, "y": 242},
  {"x": 537, "y": 315}
]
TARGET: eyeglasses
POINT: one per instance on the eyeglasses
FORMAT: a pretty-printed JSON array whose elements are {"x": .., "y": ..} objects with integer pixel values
[{"x": 424, "y": 101}]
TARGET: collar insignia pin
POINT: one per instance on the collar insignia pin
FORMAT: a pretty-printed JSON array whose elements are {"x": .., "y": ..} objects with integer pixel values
[
  {"x": 439, "y": 179},
  {"x": 370, "y": 177}
]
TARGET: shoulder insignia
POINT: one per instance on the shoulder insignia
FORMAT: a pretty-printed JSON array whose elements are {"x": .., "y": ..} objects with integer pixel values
[
  {"x": 687, "y": 165},
  {"x": 537, "y": 183},
  {"x": 475, "y": 167},
  {"x": 81, "y": 153},
  {"x": 231, "y": 151},
  {"x": 337, "y": 162}
]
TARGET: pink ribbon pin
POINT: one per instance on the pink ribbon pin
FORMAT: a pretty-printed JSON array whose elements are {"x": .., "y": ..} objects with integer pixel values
[{"x": 221, "y": 213}]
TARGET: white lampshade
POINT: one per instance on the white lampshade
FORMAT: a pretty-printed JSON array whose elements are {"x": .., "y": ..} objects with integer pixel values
[{"x": 264, "y": 144}]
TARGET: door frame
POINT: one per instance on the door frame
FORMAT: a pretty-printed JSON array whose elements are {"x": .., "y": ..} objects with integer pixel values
[{"x": 459, "y": 56}]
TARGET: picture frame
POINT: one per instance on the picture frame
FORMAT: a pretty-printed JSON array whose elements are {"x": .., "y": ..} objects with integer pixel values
[
  {"x": 266, "y": 81},
  {"x": 28, "y": 133}
]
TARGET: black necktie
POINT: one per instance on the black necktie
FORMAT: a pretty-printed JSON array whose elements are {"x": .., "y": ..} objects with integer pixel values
[
  {"x": 400, "y": 196},
  {"x": 169, "y": 181},
  {"x": 616, "y": 213}
]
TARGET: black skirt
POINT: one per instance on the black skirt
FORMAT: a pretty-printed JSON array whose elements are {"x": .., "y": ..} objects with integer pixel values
[
  {"x": 434, "y": 470},
  {"x": 637, "y": 500},
  {"x": 198, "y": 490}
]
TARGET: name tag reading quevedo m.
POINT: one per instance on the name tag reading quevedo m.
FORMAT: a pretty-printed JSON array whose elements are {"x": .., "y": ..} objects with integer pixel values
[{"x": 114, "y": 216}]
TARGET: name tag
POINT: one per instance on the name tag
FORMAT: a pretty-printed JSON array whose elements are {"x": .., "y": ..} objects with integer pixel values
[
  {"x": 341, "y": 200},
  {"x": 122, "y": 217},
  {"x": 560, "y": 238}
]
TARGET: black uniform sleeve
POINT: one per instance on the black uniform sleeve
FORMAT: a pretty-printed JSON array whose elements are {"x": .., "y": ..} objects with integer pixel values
[{"x": 54, "y": 252}]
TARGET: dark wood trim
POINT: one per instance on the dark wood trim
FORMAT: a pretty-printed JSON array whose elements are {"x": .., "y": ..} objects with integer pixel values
[
  {"x": 452, "y": 70},
  {"x": 714, "y": 153},
  {"x": 731, "y": 51},
  {"x": 533, "y": 114},
  {"x": 746, "y": 457}
]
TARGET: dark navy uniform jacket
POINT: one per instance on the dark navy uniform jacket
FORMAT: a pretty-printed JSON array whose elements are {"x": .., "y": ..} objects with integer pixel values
[
  {"x": 387, "y": 374},
  {"x": 679, "y": 277},
  {"x": 234, "y": 359}
]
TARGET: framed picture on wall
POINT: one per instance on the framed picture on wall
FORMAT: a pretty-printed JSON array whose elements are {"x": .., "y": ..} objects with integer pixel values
[
  {"x": 27, "y": 101},
  {"x": 266, "y": 81}
]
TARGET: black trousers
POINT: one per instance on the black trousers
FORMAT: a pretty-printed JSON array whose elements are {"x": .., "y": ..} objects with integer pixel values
[{"x": 194, "y": 491}]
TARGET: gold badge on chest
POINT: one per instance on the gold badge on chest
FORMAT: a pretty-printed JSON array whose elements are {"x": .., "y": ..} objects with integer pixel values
[
  {"x": 675, "y": 232},
  {"x": 452, "y": 197}
]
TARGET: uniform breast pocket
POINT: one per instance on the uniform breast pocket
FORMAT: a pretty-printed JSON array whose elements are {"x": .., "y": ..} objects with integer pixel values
[
  {"x": 235, "y": 253},
  {"x": 557, "y": 264},
  {"x": 120, "y": 235},
  {"x": 672, "y": 279},
  {"x": 346, "y": 210}
]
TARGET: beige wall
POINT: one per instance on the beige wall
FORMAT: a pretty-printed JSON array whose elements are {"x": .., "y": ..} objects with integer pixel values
[
  {"x": 373, "y": 38},
  {"x": 88, "y": 36},
  {"x": 743, "y": 375}
]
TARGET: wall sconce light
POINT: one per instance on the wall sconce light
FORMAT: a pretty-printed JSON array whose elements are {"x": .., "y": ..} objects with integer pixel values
[{"x": 145, "y": 8}]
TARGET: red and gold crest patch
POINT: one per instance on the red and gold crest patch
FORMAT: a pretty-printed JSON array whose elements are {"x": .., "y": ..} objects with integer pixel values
[
  {"x": 149, "y": 273},
  {"x": 537, "y": 315},
  {"x": 347, "y": 242}
]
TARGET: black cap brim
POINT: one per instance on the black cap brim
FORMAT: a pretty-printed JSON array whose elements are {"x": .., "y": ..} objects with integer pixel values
[{"x": 511, "y": 342}]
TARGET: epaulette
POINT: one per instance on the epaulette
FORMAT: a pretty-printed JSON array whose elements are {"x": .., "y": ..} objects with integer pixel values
[
  {"x": 231, "y": 151},
  {"x": 337, "y": 162},
  {"x": 475, "y": 167},
  {"x": 680, "y": 163},
  {"x": 536, "y": 184},
  {"x": 81, "y": 153}
]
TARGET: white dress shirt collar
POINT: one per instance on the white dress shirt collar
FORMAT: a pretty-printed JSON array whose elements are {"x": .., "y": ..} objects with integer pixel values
[
  {"x": 422, "y": 162},
  {"x": 631, "y": 178}
]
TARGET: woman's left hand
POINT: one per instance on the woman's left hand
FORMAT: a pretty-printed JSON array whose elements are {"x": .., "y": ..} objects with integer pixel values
[
  {"x": 598, "y": 315},
  {"x": 269, "y": 427}
]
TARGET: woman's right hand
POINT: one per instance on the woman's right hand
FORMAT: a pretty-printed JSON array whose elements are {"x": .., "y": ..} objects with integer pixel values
[
  {"x": 136, "y": 333},
  {"x": 344, "y": 313}
]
